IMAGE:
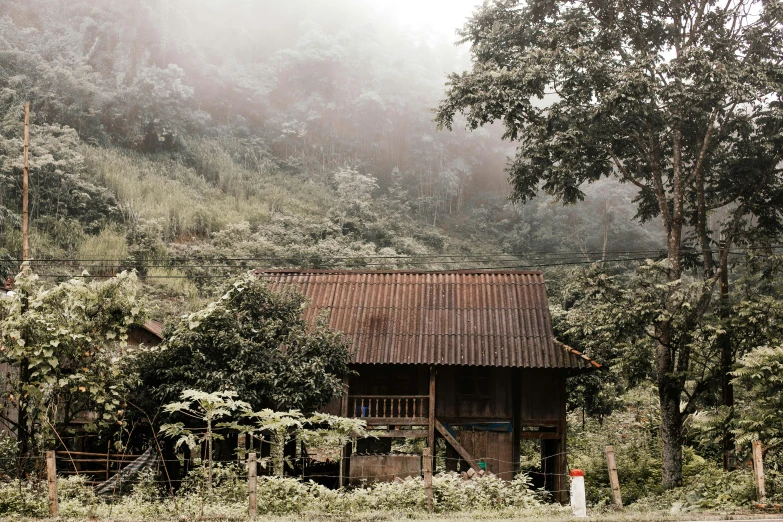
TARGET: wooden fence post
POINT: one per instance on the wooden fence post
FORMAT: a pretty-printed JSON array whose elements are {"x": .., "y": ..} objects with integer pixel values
[
  {"x": 426, "y": 460},
  {"x": 242, "y": 451},
  {"x": 51, "y": 480},
  {"x": 758, "y": 471},
  {"x": 613, "y": 479},
  {"x": 252, "y": 471}
]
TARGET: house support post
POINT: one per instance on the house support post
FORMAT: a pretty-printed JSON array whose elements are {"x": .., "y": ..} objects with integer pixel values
[
  {"x": 431, "y": 419},
  {"x": 554, "y": 463},
  {"x": 427, "y": 468},
  {"x": 345, "y": 454},
  {"x": 561, "y": 462},
  {"x": 516, "y": 413}
]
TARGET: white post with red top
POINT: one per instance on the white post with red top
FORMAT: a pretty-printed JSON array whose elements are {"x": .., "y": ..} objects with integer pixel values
[{"x": 578, "y": 500}]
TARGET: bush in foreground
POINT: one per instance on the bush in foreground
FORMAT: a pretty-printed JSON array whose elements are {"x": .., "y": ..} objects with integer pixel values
[{"x": 276, "y": 496}]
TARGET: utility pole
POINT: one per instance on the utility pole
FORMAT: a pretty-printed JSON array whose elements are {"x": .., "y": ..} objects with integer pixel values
[
  {"x": 25, "y": 189},
  {"x": 24, "y": 367}
]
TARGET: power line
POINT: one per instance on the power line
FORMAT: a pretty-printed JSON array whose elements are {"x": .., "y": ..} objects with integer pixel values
[
  {"x": 304, "y": 257},
  {"x": 326, "y": 272}
]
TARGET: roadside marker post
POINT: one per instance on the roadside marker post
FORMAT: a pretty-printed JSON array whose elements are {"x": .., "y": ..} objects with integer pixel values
[{"x": 578, "y": 499}]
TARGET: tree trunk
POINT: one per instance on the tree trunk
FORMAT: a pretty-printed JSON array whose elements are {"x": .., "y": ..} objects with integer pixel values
[
  {"x": 209, "y": 457},
  {"x": 670, "y": 383},
  {"x": 669, "y": 392},
  {"x": 727, "y": 358}
]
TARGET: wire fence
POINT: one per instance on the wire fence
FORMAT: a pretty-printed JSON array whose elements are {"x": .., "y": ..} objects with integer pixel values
[
  {"x": 76, "y": 464},
  {"x": 230, "y": 484}
]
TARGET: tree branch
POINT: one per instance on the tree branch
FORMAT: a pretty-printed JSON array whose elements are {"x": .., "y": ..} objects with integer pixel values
[
  {"x": 704, "y": 146},
  {"x": 660, "y": 192},
  {"x": 624, "y": 171},
  {"x": 696, "y": 23}
]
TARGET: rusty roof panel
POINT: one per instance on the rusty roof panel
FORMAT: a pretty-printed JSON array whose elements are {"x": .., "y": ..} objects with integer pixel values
[
  {"x": 154, "y": 327},
  {"x": 480, "y": 318}
]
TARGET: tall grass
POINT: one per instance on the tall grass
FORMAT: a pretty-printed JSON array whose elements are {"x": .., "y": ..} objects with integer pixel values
[
  {"x": 173, "y": 282},
  {"x": 192, "y": 202},
  {"x": 105, "y": 253}
]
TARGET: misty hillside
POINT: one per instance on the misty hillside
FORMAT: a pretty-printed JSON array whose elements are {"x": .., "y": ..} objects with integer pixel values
[{"x": 194, "y": 139}]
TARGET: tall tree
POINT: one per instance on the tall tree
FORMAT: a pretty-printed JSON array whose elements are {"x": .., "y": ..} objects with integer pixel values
[
  {"x": 252, "y": 340},
  {"x": 680, "y": 98}
]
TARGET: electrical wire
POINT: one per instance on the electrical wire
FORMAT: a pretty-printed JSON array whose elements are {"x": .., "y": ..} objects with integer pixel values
[{"x": 303, "y": 257}]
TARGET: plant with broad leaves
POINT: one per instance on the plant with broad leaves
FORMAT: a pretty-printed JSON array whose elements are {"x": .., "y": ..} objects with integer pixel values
[
  {"x": 321, "y": 430},
  {"x": 760, "y": 375},
  {"x": 331, "y": 433},
  {"x": 66, "y": 342},
  {"x": 284, "y": 426},
  {"x": 206, "y": 408}
]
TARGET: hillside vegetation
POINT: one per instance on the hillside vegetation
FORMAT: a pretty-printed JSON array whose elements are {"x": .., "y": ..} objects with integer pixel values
[{"x": 151, "y": 142}]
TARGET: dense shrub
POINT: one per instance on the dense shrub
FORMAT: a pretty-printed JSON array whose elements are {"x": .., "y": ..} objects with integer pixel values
[
  {"x": 450, "y": 494},
  {"x": 8, "y": 453},
  {"x": 229, "y": 482},
  {"x": 276, "y": 496},
  {"x": 23, "y": 499},
  {"x": 708, "y": 488},
  {"x": 282, "y": 496}
]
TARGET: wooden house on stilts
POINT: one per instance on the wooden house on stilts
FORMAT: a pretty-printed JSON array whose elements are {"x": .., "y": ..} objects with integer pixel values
[{"x": 466, "y": 356}]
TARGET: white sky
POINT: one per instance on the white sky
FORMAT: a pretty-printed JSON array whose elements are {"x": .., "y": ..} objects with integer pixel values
[{"x": 439, "y": 16}]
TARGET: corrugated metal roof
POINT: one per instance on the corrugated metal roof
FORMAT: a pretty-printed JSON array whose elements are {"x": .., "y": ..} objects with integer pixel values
[
  {"x": 473, "y": 318},
  {"x": 154, "y": 327}
]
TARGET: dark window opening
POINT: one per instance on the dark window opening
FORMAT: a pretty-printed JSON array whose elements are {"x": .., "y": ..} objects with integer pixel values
[{"x": 474, "y": 383}]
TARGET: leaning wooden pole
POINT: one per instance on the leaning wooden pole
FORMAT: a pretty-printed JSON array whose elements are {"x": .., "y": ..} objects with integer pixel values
[
  {"x": 25, "y": 189},
  {"x": 611, "y": 463},
  {"x": 758, "y": 471}
]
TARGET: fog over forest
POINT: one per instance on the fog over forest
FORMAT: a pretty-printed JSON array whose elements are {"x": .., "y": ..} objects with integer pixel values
[{"x": 300, "y": 132}]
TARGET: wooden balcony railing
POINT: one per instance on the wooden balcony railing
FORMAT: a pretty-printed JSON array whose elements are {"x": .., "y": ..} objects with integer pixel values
[{"x": 390, "y": 409}]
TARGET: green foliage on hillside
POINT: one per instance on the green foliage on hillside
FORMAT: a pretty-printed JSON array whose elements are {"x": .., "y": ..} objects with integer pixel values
[{"x": 320, "y": 146}]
